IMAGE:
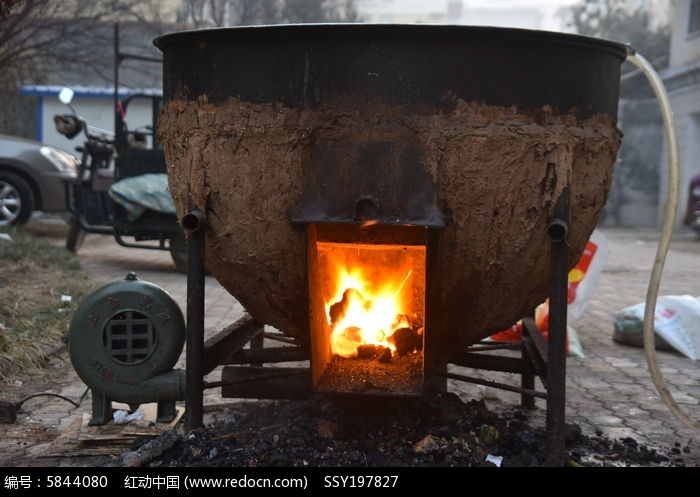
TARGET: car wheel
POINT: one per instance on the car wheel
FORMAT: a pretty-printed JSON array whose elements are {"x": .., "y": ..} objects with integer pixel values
[{"x": 16, "y": 200}]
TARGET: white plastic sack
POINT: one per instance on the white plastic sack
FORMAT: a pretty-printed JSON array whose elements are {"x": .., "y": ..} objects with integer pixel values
[{"x": 676, "y": 320}]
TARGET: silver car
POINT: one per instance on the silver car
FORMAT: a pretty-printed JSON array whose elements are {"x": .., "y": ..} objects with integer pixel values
[{"x": 32, "y": 177}]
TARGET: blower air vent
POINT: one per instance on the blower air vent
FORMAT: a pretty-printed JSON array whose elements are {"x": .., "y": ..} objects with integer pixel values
[{"x": 130, "y": 337}]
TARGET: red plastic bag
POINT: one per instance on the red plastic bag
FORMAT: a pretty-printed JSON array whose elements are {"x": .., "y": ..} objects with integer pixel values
[
  {"x": 512, "y": 334},
  {"x": 584, "y": 277}
]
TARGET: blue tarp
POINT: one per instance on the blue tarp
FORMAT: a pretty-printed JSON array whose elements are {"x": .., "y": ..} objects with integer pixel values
[{"x": 140, "y": 193}]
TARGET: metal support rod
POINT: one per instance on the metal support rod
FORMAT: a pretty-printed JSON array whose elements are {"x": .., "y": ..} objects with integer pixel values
[
  {"x": 115, "y": 109},
  {"x": 493, "y": 362},
  {"x": 527, "y": 382},
  {"x": 279, "y": 337},
  {"x": 496, "y": 346},
  {"x": 194, "y": 354},
  {"x": 491, "y": 383},
  {"x": 261, "y": 377},
  {"x": 556, "y": 350},
  {"x": 256, "y": 344}
]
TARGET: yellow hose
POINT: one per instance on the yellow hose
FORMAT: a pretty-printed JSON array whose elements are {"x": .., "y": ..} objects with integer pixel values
[{"x": 665, "y": 240}]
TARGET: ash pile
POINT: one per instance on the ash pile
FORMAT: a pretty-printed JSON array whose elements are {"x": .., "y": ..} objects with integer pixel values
[{"x": 443, "y": 431}]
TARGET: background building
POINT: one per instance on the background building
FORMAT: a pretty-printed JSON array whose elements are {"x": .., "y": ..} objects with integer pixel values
[
  {"x": 533, "y": 14},
  {"x": 682, "y": 81},
  {"x": 95, "y": 104}
]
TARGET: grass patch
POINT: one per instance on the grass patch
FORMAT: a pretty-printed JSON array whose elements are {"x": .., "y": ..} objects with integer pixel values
[{"x": 35, "y": 272}]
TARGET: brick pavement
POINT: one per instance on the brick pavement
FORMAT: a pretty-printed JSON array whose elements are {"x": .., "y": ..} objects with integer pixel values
[{"x": 609, "y": 390}]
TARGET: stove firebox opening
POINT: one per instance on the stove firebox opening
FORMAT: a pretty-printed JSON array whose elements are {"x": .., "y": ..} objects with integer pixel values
[{"x": 367, "y": 308}]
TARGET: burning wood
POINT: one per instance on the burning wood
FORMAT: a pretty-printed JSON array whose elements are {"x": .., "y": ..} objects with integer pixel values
[
  {"x": 407, "y": 340},
  {"x": 367, "y": 351},
  {"x": 354, "y": 342},
  {"x": 385, "y": 355},
  {"x": 340, "y": 309}
]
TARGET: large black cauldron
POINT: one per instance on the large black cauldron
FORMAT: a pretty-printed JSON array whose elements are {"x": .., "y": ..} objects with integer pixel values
[{"x": 472, "y": 132}]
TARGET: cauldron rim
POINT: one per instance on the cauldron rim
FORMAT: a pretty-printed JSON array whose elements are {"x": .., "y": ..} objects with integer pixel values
[{"x": 394, "y": 30}]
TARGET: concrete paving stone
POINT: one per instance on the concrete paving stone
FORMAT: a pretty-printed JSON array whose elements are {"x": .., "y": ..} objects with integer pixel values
[
  {"x": 585, "y": 401},
  {"x": 603, "y": 420},
  {"x": 593, "y": 383},
  {"x": 65, "y": 422},
  {"x": 622, "y": 379},
  {"x": 627, "y": 410},
  {"x": 571, "y": 411},
  {"x": 630, "y": 389},
  {"x": 660, "y": 407},
  {"x": 610, "y": 395},
  {"x": 682, "y": 381},
  {"x": 661, "y": 414},
  {"x": 659, "y": 435},
  {"x": 642, "y": 373},
  {"x": 684, "y": 398},
  {"x": 575, "y": 377},
  {"x": 598, "y": 315},
  {"x": 599, "y": 367},
  {"x": 693, "y": 372},
  {"x": 648, "y": 396},
  {"x": 625, "y": 364},
  {"x": 621, "y": 432},
  {"x": 691, "y": 390},
  {"x": 668, "y": 435}
]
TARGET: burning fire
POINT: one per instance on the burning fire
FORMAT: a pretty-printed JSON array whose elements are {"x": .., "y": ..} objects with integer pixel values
[{"x": 370, "y": 309}]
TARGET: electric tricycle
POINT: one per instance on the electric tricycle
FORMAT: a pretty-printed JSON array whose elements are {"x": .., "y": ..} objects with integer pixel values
[{"x": 121, "y": 188}]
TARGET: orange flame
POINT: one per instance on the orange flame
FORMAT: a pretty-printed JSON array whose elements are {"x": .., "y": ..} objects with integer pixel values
[{"x": 367, "y": 305}]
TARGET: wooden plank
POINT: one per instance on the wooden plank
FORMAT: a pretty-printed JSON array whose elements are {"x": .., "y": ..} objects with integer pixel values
[
  {"x": 536, "y": 346},
  {"x": 228, "y": 341},
  {"x": 81, "y": 439}
]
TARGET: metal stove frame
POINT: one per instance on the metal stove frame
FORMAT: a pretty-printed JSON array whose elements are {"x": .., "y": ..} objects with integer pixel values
[{"x": 538, "y": 358}]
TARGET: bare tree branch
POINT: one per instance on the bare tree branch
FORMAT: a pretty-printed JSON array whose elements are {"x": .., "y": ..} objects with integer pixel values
[
  {"x": 626, "y": 22},
  {"x": 39, "y": 38},
  {"x": 6, "y": 6},
  {"x": 42, "y": 37}
]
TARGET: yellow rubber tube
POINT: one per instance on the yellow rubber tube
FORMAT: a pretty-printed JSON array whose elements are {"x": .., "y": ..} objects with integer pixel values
[{"x": 665, "y": 239}]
